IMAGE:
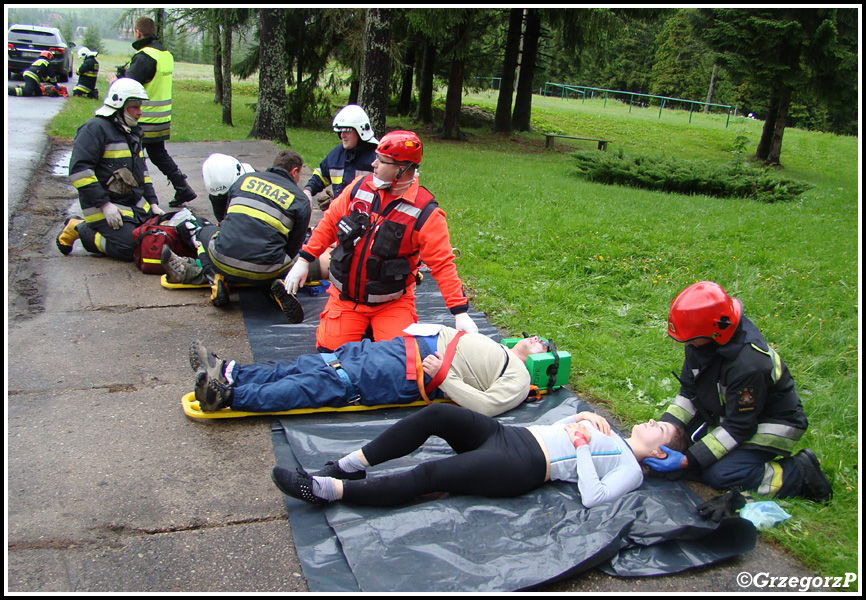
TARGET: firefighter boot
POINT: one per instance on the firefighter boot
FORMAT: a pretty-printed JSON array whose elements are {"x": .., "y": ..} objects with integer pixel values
[
  {"x": 182, "y": 192},
  {"x": 292, "y": 309},
  {"x": 68, "y": 235}
]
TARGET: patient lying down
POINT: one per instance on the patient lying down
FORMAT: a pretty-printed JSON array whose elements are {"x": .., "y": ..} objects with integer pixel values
[{"x": 491, "y": 459}]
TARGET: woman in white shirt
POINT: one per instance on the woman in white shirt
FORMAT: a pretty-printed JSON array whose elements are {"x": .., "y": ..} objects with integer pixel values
[{"x": 491, "y": 459}]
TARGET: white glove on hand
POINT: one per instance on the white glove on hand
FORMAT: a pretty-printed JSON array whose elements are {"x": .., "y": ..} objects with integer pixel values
[
  {"x": 463, "y": 322},
  {"x": 156, "y": 210},
  {"x": 112, "y": 215},
  {"x": 297, "y": 275}
]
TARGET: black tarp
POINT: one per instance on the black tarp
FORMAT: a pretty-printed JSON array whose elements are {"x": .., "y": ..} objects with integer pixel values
[{"x": 468, "y": 543}]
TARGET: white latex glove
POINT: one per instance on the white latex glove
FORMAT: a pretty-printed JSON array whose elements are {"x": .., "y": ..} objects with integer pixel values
[
  {"x": 112, "y": 215},
  {"x": 156, "y": 210},
  {"x": 463, "y": 322},
  {"x": 297, "y": 275}
]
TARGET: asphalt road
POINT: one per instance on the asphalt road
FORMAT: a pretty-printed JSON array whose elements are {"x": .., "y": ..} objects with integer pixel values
[{"x": 110, "y": 487}]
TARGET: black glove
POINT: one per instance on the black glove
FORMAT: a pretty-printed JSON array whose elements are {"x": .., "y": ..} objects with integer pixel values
[{"x": 722, "y": 506}]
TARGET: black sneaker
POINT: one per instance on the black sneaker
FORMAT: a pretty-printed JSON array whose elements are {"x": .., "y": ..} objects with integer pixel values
[
  {"x": 211, "y": 393},
  {"x": 332, "y": 469},
  {"x": 297, "y": 484},
  {"x": 292, "y": 309},
  {"x": 200, "y": 358},
  {"x": 816, "y": 485}
]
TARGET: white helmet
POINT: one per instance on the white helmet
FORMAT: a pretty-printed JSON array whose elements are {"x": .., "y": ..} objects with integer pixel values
[
  {"x": 121, "y": 90},
  {"x": 354, "y": 116},
  {"x": 84, "y": 52},
  {"x": 220, "y": 171}
]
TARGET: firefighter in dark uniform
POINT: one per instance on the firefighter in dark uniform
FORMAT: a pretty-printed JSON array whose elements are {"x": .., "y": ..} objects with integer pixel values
[
  {"x": 738, "y": 402},
  {"x": 257, "y": 240},
  {"x": 87, "y": 73},
  {"x": 40, "y": 72},
  {"x": 152, "y": 66},
  {"x": 110, "y": 174},
  {"x": 351, "y": 158}
]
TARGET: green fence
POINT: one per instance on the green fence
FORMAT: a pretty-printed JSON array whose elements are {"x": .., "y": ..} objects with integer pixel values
[{"x": 582, "y": 91}]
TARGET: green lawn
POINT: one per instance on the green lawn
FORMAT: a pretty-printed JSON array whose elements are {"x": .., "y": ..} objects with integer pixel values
[{"x": 595, "y": 267}]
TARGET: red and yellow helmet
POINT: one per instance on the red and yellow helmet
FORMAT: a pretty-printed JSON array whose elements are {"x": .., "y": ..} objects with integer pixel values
[
  {"x": 704, "y": 309},
  {"x": 402, "y": 146}
]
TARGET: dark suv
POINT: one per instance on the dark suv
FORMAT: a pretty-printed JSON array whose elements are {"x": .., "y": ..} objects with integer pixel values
[{"x": 26, "y": 42}]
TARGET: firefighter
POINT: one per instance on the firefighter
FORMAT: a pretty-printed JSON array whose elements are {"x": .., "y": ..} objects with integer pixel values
[
  {"x": 352, "y": 158},
  {"x": 87, "y": 73},
  {"x": 737, "y": 402},
  {"x": 37, "y": 74},
  {"x": 383, "y": 224},
  {"x": 110, "y": 174},
  {"x": 152, "y": 67},
  {"x": 258, "y": 238}
]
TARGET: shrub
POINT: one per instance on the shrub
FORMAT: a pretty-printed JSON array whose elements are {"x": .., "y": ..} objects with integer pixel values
[{"x": 687, "y": 176}]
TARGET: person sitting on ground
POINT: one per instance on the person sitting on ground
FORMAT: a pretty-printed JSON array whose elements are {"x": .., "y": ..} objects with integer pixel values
[
  {"x": 109, "y": 172},
  {"x": 469, "y": 369},
  {"x": 492, "y": 459},
  {"x": 257, "y": 240}
]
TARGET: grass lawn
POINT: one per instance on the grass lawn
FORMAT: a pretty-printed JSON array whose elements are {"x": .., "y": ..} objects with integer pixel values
[{"x": 595, "y": 267}]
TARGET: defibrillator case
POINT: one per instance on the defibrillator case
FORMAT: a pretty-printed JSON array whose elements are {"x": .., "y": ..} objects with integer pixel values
[{"x": 540, "y": 366}]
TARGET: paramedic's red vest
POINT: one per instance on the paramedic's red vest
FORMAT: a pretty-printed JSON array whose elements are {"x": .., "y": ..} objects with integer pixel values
[{"x": 376, "y": 259}]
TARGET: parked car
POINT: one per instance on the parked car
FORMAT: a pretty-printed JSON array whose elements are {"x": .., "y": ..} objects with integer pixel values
[{"x": 26, "y": 42}]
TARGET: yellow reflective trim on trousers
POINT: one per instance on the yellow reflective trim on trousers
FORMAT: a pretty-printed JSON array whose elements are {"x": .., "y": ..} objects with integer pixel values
[
  {"x": 772, "y": 481},
  {"x": 259, "y": 215}
]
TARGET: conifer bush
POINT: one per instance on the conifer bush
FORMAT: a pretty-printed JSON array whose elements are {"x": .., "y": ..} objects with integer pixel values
[{"x": 690, "y": 177}]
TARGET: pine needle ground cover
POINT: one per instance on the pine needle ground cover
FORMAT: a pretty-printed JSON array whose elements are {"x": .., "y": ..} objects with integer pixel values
[{"x": 595, "y": 266}]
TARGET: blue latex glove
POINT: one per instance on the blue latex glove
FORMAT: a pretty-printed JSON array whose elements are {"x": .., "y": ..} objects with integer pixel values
[{"x": 672, "y": 462}]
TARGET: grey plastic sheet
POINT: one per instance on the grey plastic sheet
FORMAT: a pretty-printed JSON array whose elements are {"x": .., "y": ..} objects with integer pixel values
[{"x": 469, "y": 543}]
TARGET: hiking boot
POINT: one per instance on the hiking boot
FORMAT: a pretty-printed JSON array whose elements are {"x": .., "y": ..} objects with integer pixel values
[
  {"x": 68, "y": 235},
  {"x": 181, "y": 269},
  {"x": 816, "y": 486},
  {"x": 212, "y": 393},
  {"x": 332, "y": 469},
  {"x": 297, "y": 484},
  {"x": 219, "y": 291},
  {"x": 182, "y": 192},
  {"x": 200, "y": 358},
  {"x": 292, "y": 309}
]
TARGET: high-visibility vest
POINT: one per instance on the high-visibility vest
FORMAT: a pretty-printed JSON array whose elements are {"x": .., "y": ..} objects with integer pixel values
[{"x": 156, "y": 110}]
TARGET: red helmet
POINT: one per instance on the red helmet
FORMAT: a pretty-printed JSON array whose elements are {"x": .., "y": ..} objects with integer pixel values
[
  {"x": 46, "y": 54},
  {"x": 704, "y": 309},
  {"x": 402, "y": 146}
]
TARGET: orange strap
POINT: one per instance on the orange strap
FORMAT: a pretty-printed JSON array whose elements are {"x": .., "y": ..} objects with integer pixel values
[{"x": 446, "y": 363}]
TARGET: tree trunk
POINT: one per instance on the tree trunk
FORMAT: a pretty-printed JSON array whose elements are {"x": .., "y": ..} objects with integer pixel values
[
  {"x": 781, "y": 122},
  {"x": 424, "y": 113},
  {"x": 523, "y": 101},
  {"x": 227, "y": 75},
  {"x": 502, "y": 120},
  {"x": 406, "y": 86},
  {"x": 454, "y": 100},
  {"x": 217, "y": 64},
  {"x": 712, "y": 89},
  {"x": 762, "y": 152},
  {"x": 373, "y": 95},
  {"x": 270, "y": 120}
]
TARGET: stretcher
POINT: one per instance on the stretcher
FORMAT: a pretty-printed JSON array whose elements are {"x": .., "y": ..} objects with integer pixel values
[{"x": 191, "y": 409}]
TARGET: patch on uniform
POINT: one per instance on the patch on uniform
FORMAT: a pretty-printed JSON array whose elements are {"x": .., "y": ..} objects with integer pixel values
[{"x": 746, "y": 398}]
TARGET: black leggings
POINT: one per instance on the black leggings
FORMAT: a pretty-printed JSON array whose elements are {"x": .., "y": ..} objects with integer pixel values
[{"x": 492, "y": 460}]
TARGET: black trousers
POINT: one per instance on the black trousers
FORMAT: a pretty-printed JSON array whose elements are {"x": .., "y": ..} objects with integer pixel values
[{"x": 492, "y": 459}]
